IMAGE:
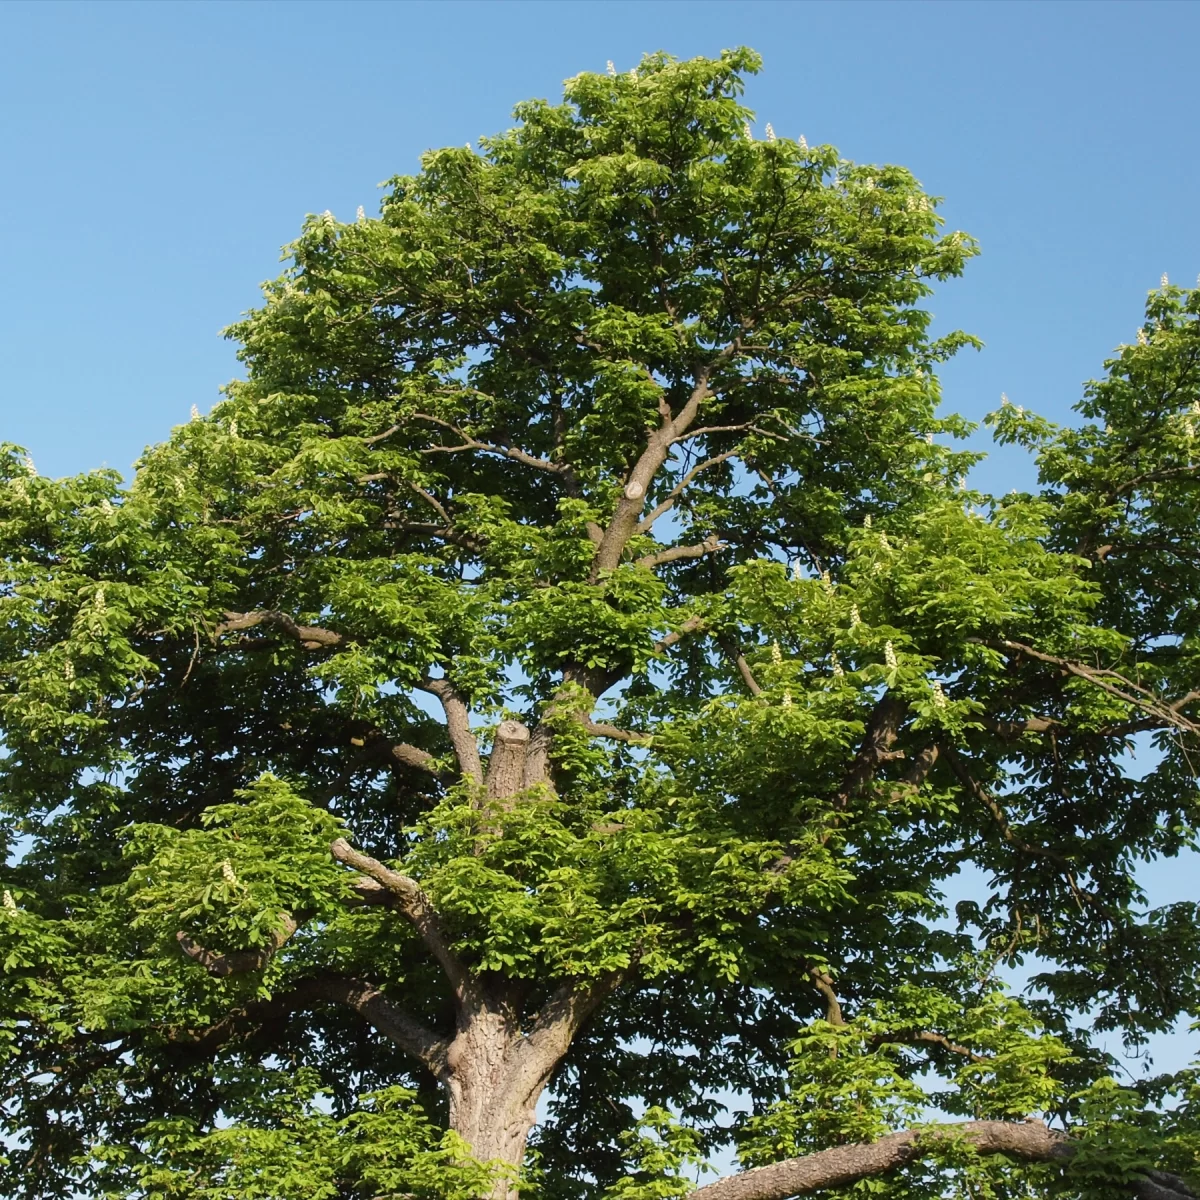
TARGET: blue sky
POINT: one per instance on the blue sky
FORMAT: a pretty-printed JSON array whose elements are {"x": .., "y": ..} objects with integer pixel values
[{"x": 157, "y": 156}]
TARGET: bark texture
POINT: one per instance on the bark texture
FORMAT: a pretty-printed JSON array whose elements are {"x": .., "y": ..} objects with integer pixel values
[{"x": 841, "y": 1166}]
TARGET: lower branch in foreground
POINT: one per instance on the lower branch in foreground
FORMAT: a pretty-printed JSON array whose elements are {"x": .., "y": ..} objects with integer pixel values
[{"x": 841, "y": 1166}]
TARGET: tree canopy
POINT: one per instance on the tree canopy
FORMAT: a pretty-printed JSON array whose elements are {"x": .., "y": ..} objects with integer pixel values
[{"x": 528, "y": 734}]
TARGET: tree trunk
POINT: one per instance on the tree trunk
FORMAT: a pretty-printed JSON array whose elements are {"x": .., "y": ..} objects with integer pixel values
[{"x": 495, "y": 1075}]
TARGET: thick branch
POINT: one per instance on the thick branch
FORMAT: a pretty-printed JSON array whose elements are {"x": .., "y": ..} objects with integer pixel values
[
  {"x": 458, "y": 725},
  {"x": 673, "y": 553},
  {"x": 842, "y": 1166},
  {"x": 239, "y": 962},
  {"x": 1012, "y": 730},
  {"x": 629, "y": 507},
  {"x": 876, "y": 749},
  {"x": 738, "y": 659},
  {"x": 694, "y": 624},
  {"x": 560, "y": 1019},
  {"x": 605, "y": 730},
  {"x": 823, "y": 982},
  {"x": 411, "y": 756},
  {"x": 916, "y": 773},
  {"x": 411, "y": 901},
  {"x": 311, "y": 637},
  {"x": 383, "y": 1016},
  {"x": 374, "y": 745}
]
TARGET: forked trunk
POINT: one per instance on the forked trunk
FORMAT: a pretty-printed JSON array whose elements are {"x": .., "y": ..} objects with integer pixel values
[{"x": 496, "y": 1075}]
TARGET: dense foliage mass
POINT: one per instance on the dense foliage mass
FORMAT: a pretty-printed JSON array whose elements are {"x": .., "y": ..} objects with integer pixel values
[{"x": 569, "y": 670}]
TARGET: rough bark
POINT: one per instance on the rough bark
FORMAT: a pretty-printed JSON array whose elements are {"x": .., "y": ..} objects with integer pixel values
[
  {"x": 498, "y": 1066},
  {"x": 841, "y": 1166},
  {"x": 506, "y": 771}
]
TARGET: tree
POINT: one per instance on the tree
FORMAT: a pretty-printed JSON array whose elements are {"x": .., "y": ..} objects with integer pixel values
[{"x": 569, "y": 669}]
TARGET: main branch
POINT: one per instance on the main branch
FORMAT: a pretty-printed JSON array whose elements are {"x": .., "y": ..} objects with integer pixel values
[
  {"x": 842, "y": 1166},
  {"x": 411, "y": 901}
]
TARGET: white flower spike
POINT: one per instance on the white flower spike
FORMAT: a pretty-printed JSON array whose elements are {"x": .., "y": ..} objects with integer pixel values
[
  {"x": 855, "y": 619},
  {"x": 776, "y": 654},
  {"x": 1142, "y": 339},
  {"x": 195, "y": 413},
  {"x": 889, "y": 656},
  {"x": 770, "y": 132},
  {"x": 748, "y": 132},
  {"x": 1164, "y": 281},
  {"x": 227, "y": 872},
  {"x": 802, "y": 143},
  {"x": 836, "y": 665},
  {"x": 9, "y": 903},
  {"x": 939, "y": 697},
  {"x": 611, "y": 69}
]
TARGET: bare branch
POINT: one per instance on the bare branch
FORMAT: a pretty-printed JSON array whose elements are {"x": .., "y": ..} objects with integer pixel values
[
  {"x": 823, "y": 982},
  {"x": 376, "y": 746},
  {"x": 1128, "y": 691},
  {"x": 694, "y": 624},
  {"x": 668, "y": 501},
  {"x": 673, "y": 553},
  {"x": 841, "y": 1166},
  {"x": 412, "y": 756},
  {"x": 603, "y": 729},
  {"x": 411, "y": 901},
  {"x": 927, "y": 1037},
  {"x": 1012, "y": 730},
  {"x": 458, "y": 724},
  {"x": 381, "y": 437},
  {"x": 735, "y": 656},
  {"x": 473, "y": 443},
  {"x": 311, "y": 637},
  {"x": 629, "y": 507},
  {"x": 366, "y": 891}
]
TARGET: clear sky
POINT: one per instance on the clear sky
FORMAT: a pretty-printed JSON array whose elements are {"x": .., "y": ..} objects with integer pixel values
[{"x": 155, "y": 157}]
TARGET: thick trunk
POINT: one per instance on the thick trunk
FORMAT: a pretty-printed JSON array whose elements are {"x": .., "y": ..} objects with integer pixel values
[{"x": 495, "y": 1075}]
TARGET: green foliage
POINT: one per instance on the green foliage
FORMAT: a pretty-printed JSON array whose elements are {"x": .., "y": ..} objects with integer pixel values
[
  {"x": 294, "y": 1150},
  {"x": 658, "y": 1151},
  {"x": 624, "y": 423}
]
